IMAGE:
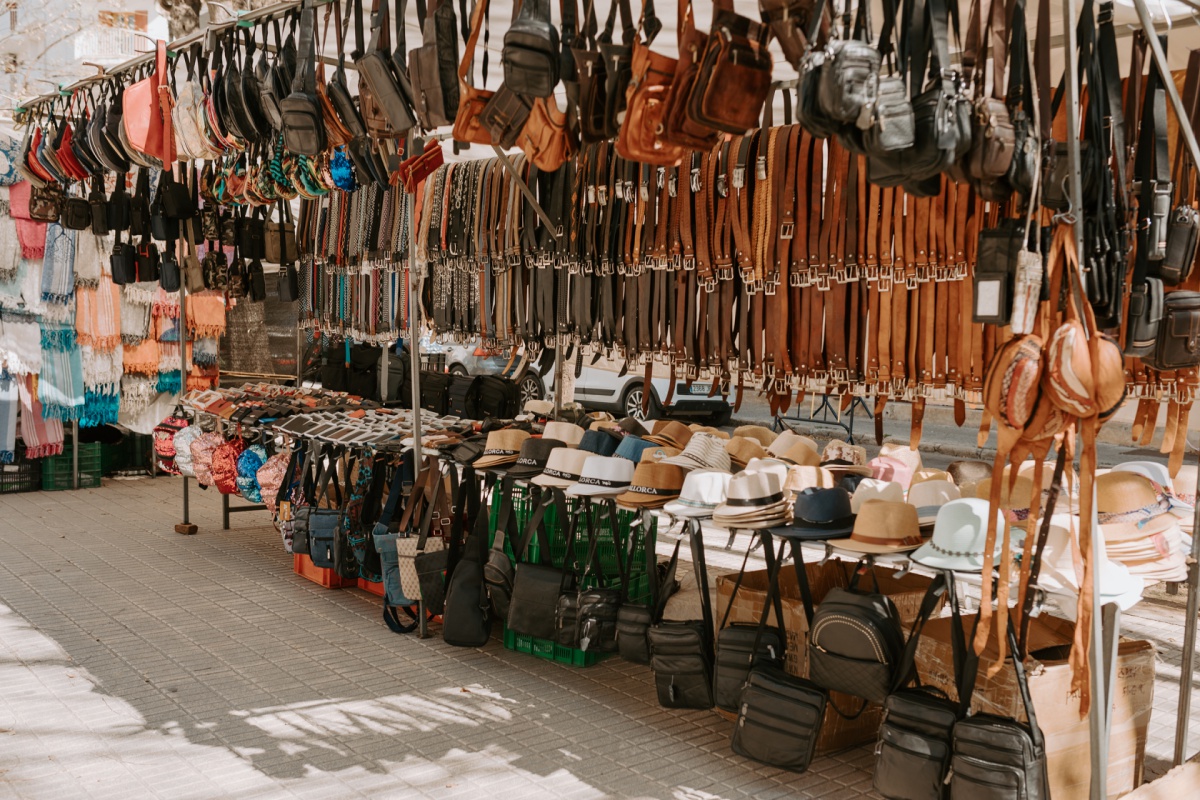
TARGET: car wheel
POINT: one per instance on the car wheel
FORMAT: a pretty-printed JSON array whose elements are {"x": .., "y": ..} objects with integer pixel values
[
  {"x": 631, "y": 403},
  {"x": 722, "y": 417},
  {"x": 531, "y": 388},
  {"x": 458, "y": 369}
]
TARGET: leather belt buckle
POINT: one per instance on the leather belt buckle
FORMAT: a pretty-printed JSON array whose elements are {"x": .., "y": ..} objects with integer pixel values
[
  {"x": 910, "y": 280},
  {"x": 602, "y": 195},
  {"x": 760, "y": 168},
  {"x": 689, "y": 263},
  {"x": 871, "y": 273},
  {"x": 787, "y": 230},
  {"x": 695, "y": 179},
  {"x": 782, "y": 385},
  {"x": 848, "y": 274},
  {"x": 591, "y": 195},
  {"x": 722, "y": 185},
  {"x": 724, "y": 273},
  {"x": 960, "y": 270},
  {"x": 709, "y": 284},
  {"x": 769, "y": 286},
  {"x": 798, "y": 279},
  {"x": 572, "y": 267},
  {"x": 672, "y": 185},
  {"x": 821, "y": 279},
  {"x": 674, "y": 261},
  {"x": 739, "y": 176}
]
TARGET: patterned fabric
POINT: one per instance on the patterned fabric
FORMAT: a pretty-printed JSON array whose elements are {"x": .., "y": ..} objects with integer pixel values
[
  {"x": 183, "y": 450},
  {"x": 8, "y": 417},
  {"x": 43, "y": 436},
  {"x": 20, "y": 343},
  {"x": 248, "y": 465},
  {"x": 58, "y": 265},
  {"x": 10, "y": 154},
  {"x": 60, "y": 384}
]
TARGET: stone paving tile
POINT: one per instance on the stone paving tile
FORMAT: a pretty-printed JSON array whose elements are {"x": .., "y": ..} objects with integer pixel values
[{"x": 139, "y": 663}]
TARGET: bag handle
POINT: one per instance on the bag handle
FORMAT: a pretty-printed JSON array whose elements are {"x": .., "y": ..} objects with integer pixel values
[
  {"x": 505, "y": 516},
  {"x": 395, "y": 491},
  {"x": 537, "y": 524},
  {"x": 906, "y": 670},
  {"x": 1033, "y": 554},
  {"x": 305, "y": 79},
  {"x": 701, "y": 570},
  {"x": 464, "y": 66}
]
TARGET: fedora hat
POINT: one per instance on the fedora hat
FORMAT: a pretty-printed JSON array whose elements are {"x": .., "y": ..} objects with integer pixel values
[
  {"x": 891, "y": 469},
  {"x": 535, "y": 453},
  {"x": 1057, "y": 574},
  {"x": 819, "y": 514},
  {"x": 742, "y": 450},
  {"x": 801, "y": 478},
  {"x": 598, "y": 442},
  {"x": 839, "y": 466},
  {"x": 1161, "y": 478},
  {"x": 802, "y": 455},
  {"x": 1014, "y": 501},
  {"x": 671, "y": 434},
  {"x": 502, "y": 448},
  {"x": 876, "y": 489},
  {"x": 602, "y": 476},
  {"x": 960, "y": 535},
  {"x": 631, "y": 425},
  {"x": 927, "y": 474},
  {"x": 1130, "y": 508},
  {"x": 653, "y": 485},
  {"x": 540, "y": 408},
  {"x": 786, "y": 440},
  {"x": 902, "y": 452},
  {"x": 632, "y": 447},
  {"x": 929, "y": 496},
  {"x": 564, "y": 432},
  {"x": 563, "y": 467},
  {"x": 1183, "y": 485},
  {"x": 753, "y": 500},
  {"x": 838, "y": 450},
  {"x": 703, "y": 490},
  {"x": 773, "y": 465},
  {"x": 964, "y": 472},
  {"x": 657, "y": 455},
  {"x": 717, "y": 432},
  {"x": 849, "y": 481},
  {"x": 763, "y": 435},
  {"x": 703, "y": 451},
  {"x": 884, "y": 527}
]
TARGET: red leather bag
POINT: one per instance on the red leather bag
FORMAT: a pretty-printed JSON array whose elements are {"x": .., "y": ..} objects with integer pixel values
[{"x": 147, "y": 112}]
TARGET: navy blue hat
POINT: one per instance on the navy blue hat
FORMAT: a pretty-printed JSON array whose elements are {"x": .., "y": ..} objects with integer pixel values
[
  {"x": 820, "y": 514},
  {"x": 632, "y": 447},
  {"x": 598, "y": 442}
]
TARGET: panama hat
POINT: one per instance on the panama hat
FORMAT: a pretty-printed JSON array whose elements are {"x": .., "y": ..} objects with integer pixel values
[
  {"x": 764, "y": 436},
  {"x": 533, "y": 458},
  {"x": 602, "y": 476},
  {"x": 1014, "y": 502},
  {"x": 717, "y": 432},
  {"x": 652, "y": 486},
  {"x": 801, "y": 478},
  {"x": 1161, "y": 478},
  {"x": 703, "y": 490},
  {"x": 773, "y": 465},
  {"x": 540, "y": 408},
  {"x": 1057, "y": 574},
  {"x": 819, "y": 514},
  {"x": 927, "y": 474},
  {"x": 703, "y": 451},
  {"x": 657, "y": 455},
  {"x": 563, "y": 467},
  {"x": 742, "y": 450},
  {"x": 503, "y": 447},
  {"x": 960, "y": 535},
  {"x": 876, "y": 489},
  {"x": 891, "y": 469},
  {"x": 786, "y": 440},
  {"x": 1131, "y": 512},
  {"x": 838, "y": 450},
  {"x": 964, "y": 472},
  {"x": 598, "y": 442},
  {"x": 671, "y": 434},
  {"x": 753, "y": 500},
  {"x": 883, "y": 527},
  {"x": 565, "y": 432},
  {"x": 902, "y": 452},
  {"x": 929, "y": 496},
  {"x": 632, "y": 447},
  {"x": 1183, "y": 485},
  {"x": 802, "y": 455}
]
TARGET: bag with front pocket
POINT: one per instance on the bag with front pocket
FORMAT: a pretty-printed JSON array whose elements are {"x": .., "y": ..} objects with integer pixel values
[
  {"x": 681, "y": 652},
  {"x": 598, "y": 607},
  {"x": 432, "y": 67},
  {"x": 850, "y": 78},
  {"x": 1178, "y": 343},
  {"x": 376, "y": 70},
  {"x": 641, "y": 136},
  {"x": 505, "y": 116},
  {"x": 634, "y": 620},
  {"x": 303, "y": 123},
  {"x": 533, "y": 608},
  {"x": 734, "y": 78},
  {"x": 531, "y": 55},
  {"x": 76, "y": 214},
  {"x": 466, "y": 618},
  {"x": 742, "y": 646},
  {"x": 498, "y": 568},
  {"x": 468, "y": 122}
]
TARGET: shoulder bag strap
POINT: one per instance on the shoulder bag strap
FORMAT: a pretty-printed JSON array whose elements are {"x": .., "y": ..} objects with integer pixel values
[
  {"x": 773, "y": 566},
  {"x": 395, "y": 490},
  {"x": 1031, "y": 560},
  {"x": 1023, "y": 684},
  {"x": 537, "y": 524},
  {"x": 1150, "y": 165},
  {"x": 701, "y": 571},
  {"x": 438, "y": 485},
  {"x": 802, "y": 580},
  {"x": 906, "y": 670},
  {"x": 305, "y": 79}
]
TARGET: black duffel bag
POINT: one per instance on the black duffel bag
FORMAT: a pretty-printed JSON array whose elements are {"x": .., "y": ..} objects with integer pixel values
[
  {"x": 462, "y": 397},
  {"x": 498, "y": 398},
  {"x": 435, "y": 392}
]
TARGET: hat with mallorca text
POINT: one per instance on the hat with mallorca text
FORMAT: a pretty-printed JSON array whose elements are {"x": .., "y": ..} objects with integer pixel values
[
  {"x": 535, "y": 453},
  {"x": 563, "y": 467},
  {"x": 602, "y": 477},
  {"x": 503, "y": 447},
  {"x": 653, "y": 486},
  {"x": 703, "y": 490}
]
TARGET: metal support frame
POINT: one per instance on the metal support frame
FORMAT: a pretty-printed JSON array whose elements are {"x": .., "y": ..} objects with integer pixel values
[
  {"x": 227, "y": 509},
  {"x": 825, "y": 408}
]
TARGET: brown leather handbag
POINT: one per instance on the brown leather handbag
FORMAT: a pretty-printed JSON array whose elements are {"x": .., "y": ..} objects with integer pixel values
[
  {"x": 681, "y": 129},
  {"x": 546, "y": 139},
  {"x": 734, "y": 77},
  {"x": 505, "y": 115},
  {"x": 468, "y": 122},
  {"x": 641, "y": 137}
]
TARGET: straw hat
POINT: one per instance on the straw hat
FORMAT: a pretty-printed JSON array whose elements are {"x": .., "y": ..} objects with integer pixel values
[
  {"x": 1015, "y": 502},
  {"x": 801, "y": 478},
  {"x": 927, "y": 474},
  {"x": 703, "y": 451},
  {"x": 1129, "y": 508},
  {"x": 535, "y": 453},
  {"x": 772, "y": 465},
  {"x": 1161, "y": 478},
  {"x": 1057, "y": 575},
  {"x": 703, "y": 490},
  {"x": 838, "y": 450},
  {"x": 875, "y": 489},
  {"x": 786, "y": 440},
  {"x": 540, "y": 408},
  {"x": 565, "y": 432},
  {"x": 671, "y": 434},
  {"x": 802, "y": 455},
  {"x": 1156, "y": 555},
  {"x": 1183, "y": 485},
  {"x": 764, "y": 436},
  {"x": 819, "y": 514},
  {"x": 503, "y": 447},
  {"x": 653, "y": 485},
  {"x": 960, "y": 535},
  {"x": 742, "y": 450},
  {"x": 717, "y": 432},
  {"x": 964, "y": 472},
  {"x": 928, "y": 498},
  {"x": 883, "y": 527},
  {"x": 563, "y": 467},
  {"x": 754, "y": 500},
  {"x": 602, "y": 477},
  {"x": 657, "y": 455},
  {"x": 891, "y": 469}
]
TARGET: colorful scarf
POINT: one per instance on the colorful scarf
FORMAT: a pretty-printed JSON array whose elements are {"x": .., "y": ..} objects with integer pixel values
[
  {"x": 20, "y": 343},
  {"x": 58, "y": 265},
  {"x": 137, "y": 392},
  {"x": 205, "y": 352},
  {"x": 10, "y": 248},
  {"x": 91, "y": 254},
  {"x": 31, "y": 234},
  {"x": 43, "y": 435},
  {"x": 97, "y": 315},
  {"x": 135, "y": 314},
  {"x": 206, "y": 314},
  {"x": 8, "y": 418},
  {"x": 166, "y": 304},
  {"x": 142, "y": 358},
  {"x": 60, "y": 384},
  {"x": 101, "y": 383}
]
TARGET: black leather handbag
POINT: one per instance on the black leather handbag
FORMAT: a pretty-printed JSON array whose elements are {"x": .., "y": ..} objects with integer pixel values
[
  {"x": 635, "y": 620},
  {"x": 849, "y": 82},
  {"x": 1178, "y": 344},
  {"x": 995, "y": 273},
  {"x": 76, "y": 214},
  {"x": 531, "y": 55},
  {"x": 98, "y": 207},
  {"x": 466, "y": 618},
  {"x": 123, "y": 262},
  {"x": 618, "y": 65},
  {"x": 498, "y": 569},
  {"x": 376, "y": 69},
  {"x": 532, "y": 610},
  {"x": 303, "y": 125},
  {"x": 681, "y": 652},
  {"x": 598, "y": 606},
  {"x": 433, "y": 66},
  {"x": 741, "y": 646}
]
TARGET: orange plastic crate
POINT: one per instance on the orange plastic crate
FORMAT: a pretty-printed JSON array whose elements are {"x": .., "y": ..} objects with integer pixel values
[
  {"x": 371, "y": 586},
  {"x": 302, "y": 565}
]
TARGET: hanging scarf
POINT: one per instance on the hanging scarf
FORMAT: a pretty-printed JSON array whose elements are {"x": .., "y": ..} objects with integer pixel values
[
  {"x": 43, "y": 435},
  {"x": 31, "y": 234},
  {"x": 60, "y": 384},
  {"x": 97, "y": 315},
  {"x": 137, "y": 391},
  {"x": 142, "y": 358},
  {"x": 91, "y": 254},
  {"x": 58, "y": 265},
  {"x": 8, "y": 418},
  {"x": 135, "y": 313},
  {"x": 205, "y": 351},
  {"x": 206, "y": 314},
  {"x": 168, "y": 329},
  {"x": 101, "y": 382},
  {"x": 10, "y": 248},
  {"x": 166, "y": 304},
  {"x": 170, "y": 376},
  {"x": 20, "y": 343}
]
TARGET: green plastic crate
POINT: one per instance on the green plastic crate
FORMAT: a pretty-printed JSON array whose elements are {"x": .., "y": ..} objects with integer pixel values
[
  {"x": 57, "y": 472},
  {"x": 523, "y": 507},
  {"x": 548, "y": 650}
]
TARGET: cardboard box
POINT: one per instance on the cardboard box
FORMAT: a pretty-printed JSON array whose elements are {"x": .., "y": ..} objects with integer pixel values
[
  {"x": 1067, "y": 735},
  {"x": 837, "y": 732}
]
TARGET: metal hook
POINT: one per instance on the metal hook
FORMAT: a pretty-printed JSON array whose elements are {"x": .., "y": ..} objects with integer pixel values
[
  {"x": 828, "y": 555},
  {"x": 227, "y": 9},
  {"x": 148, "y": 38},
  {"x": 1163, "y": 7},
  {"x": 100, "y": 69}
]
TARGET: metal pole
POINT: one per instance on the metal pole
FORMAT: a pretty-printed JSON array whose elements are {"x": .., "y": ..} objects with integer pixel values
[
  {"x": 75, "y": 454},
  {"x": 1160, "y": 59},
  {"x": 1187, "y": 663},
  {"x": 414, "y": 354}
]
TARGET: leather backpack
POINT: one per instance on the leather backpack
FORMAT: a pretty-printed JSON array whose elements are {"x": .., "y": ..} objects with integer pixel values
[
  {"x": 303, "y": 125},
  {"x": 531, "y": 55},
  {"x": 432, "y": 66},
  {"x": 468, "y": 122}
]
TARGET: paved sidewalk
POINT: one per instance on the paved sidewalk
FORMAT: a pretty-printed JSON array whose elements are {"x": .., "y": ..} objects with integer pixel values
[{"x": 135, "y": 663}]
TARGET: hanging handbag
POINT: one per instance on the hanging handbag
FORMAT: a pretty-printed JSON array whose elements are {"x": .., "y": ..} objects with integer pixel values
[
  {"x": 279, "y": 238},
  {"x": 394, "y": 597},
  {"x": 466, "y": 620},
  {"x": 734, "y": 78},
  {"x": 599, "y": 605},
  {"x": 634, "y": 620},
  {"x": 741, "y": 646},
  {"x": 147, "y": 260},
  {"x": 98, "y": 208},
  {"x": 432, "y": 67},
  {"x": 147, "y": 127},
  {"x": 376, "y": 70},
  {"x": 498, "y": 569},
  {"x": 468, "y": 122},
  {"x": 123, "y": 262},
  {"x": 591, "y": 73},
  {"x": 849, "y": 85},
  {"x": 681, "y": 652},
  {"x": 999, "y": 253},
  {"x": 641, "y": 136},
  {"x": 414, "y": 170},
  {"x": 680, "y": 129},
  {"x": 993, "y": 140},
  {"x": 76, "y": 214},
  {"x": 566, "y": 611},
  {"x": 892, "y": 126},
  {"x": 46, "y": 203},
  {"x": 1183, "y": 226},
  {"x": 531, "y": 55},
  {"x": 169, "y": 277},
  {"x": 1178, "y": 343},
  {"x": 505, "y": 116},
  {"x": 337, "y": 92},
  {"x": 1023, "y": 107},
  {"x": 533, "y": 607},
  {"x": 941, "y": 113},
  {"x": 303, "y": 124},
  {"x": 546, "y": 139},
  {"x": 618, "y": 69},
  {"x": 118, "y": 208},
  {"x": 275, "y": 76}
]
